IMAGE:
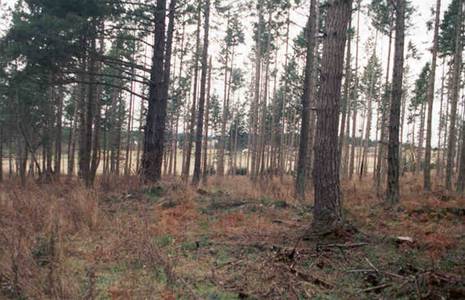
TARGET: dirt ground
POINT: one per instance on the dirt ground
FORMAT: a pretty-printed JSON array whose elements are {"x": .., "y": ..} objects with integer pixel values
[{"x": 230, "y": 239}]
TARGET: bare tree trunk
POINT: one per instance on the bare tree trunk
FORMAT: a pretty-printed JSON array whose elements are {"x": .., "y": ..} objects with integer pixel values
[
  {"x": 455, "y": 97},
  {"x": 256, "y": 99},
  {"x": 160, "y": 76},
  {"x": 346, "y": 100},
  {"x": 1, "y": 152},
  {"x": 203, "y": 91},
  {"x": 392, "y": 193},
  {"x": 309, "y": 86},
  {"x": 90, "y": 117},
  {"x": 380, "y": 166},
  {"x": 355, "y": 100},
  {"x": 430, "y": 99},
  {"x": 59, "y": 132},
  {"x": 128, "y": 165},
  {"x": 327, "y": 212},
  {"x": 187, "y": 163},
  {"x": 207, "y": 120},
  {"x": 439, "y": 162},
  {"x": 421, "y": 139},
  {"x": 281, "y": 157}
]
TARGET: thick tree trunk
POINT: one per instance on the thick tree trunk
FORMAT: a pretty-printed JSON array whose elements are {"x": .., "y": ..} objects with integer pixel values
[
  {"x": 309, "y": 86},
  {"x": 155, "y": 124},
  {"x": 327, "y": 212},
  {"x": 392, "y": 193}
]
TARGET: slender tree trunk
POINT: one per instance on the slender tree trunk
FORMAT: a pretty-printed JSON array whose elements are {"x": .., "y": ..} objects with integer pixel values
[
  {"x": 90, "y": 116},
  {"x": 203, "y": 92},
  {"x": 421, "y": 139},
  {"x": 346, "y": 99},
  {"x": 392, "y": 193},
  {"x": 327, "y": 212},
  {"x": 187, "y": 165},
  {"x": 309, "y": 85},
  {"x": 440, "y": 155},
  {"x": 380, "y": 166},
  {"x": 127, "y": 167},
  {"x": 355, "y": 100},
  {"x": 281, "y": 157},
  {"x": 1, "y": 152},
  {"x": 430, "y": 99},
  {"x": 455, "y": 97},
  {"x": 207, "y": 123},
  {"x": 59, "y": 132}
]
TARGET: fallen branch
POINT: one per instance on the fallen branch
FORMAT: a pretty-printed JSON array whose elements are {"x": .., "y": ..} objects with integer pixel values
[
  {"x": 377, "y": 288},
  {"x": 341, "y": 246}
]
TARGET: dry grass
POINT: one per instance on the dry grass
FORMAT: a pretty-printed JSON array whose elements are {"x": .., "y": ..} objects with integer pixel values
[{"x": 227, "y": 240}]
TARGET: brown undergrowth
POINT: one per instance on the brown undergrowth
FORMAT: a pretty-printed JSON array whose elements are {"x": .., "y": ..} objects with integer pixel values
[{"x": 230, "y": 239}]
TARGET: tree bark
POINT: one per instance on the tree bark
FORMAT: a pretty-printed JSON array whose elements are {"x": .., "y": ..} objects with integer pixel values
[
  {"x": 392, "y": 193},
  {"x": 346, "y": 99},
  {"x": 455, "y": 97},
  {"x": 152, "y": 158},
  {"x": 430, "y": 99},
  {"x": 203, "y": 83},
  {"x": 327, "y": 212},
  {"x": 187, "y": 163},
  {"x": 309, "y": 86}
]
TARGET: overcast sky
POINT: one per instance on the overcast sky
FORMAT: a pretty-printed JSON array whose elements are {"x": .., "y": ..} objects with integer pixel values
[{"x": 418, "y": 35}]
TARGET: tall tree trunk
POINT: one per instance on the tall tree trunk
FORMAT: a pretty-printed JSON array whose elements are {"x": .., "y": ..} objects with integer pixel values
[
  {"x": 346, "y": 99},
  {"x": 392, "y": 193},
  {"x": 58, "y": 131},
  {"x": 222, "y": 141},
  {"x": 1, "y": 153},
  {"x": 90, "y": 115},
  {"x": 203, "y": 84},
  {"x": 381, "y": 162},
  {"x": 158, "y": 93},
  {"x": 355, "y": 99},
  {"x": 309, "y": 85},
  {"x": 421, "y": 139},
  {"x": 440, "y": 155},
  {"x": 256, "y": 98},
  {"x": 128, "y": 165},
  {"x": 455, "y": 96},
  {"x": 207, "y": 123},
  {"x": 281, "y": 157},
  {"x": 430, "y": 99},
  {"x": 327, "y": 212},
  {"x": 187, "y": 163}
]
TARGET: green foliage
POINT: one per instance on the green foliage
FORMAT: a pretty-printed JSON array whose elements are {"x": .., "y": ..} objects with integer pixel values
[
  {"x": 370, "y": 83},
  {"x": 382, "y": 14},
  {"x": 448, "y": 29},
  {"x": 420, "y": 91}
]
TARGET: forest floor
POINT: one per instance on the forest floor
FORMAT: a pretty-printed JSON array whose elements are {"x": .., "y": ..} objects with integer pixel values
[{"x": 228, "y": 240}]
